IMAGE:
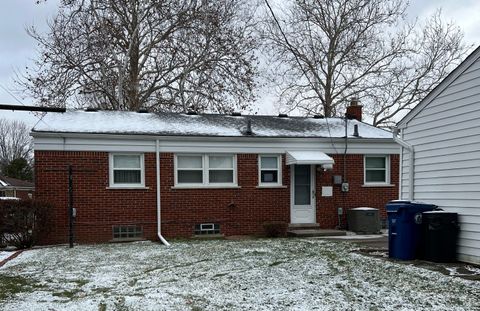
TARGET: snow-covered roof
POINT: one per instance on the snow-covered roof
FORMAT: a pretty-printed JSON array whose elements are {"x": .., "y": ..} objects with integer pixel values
[
  {"x": 176, "y": 124},
  {"x": 9, "y": 182}
]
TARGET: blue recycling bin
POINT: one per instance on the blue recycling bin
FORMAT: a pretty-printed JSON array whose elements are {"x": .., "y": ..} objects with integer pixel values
[{"x": 404, "y": 228}]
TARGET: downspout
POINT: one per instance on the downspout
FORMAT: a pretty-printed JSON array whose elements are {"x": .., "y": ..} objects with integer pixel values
[
  {"x": 159, "y": 214},
  {"x": 411, "y": 163}
]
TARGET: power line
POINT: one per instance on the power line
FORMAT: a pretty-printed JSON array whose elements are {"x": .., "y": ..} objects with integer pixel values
[{"x": 31, "y": 108}]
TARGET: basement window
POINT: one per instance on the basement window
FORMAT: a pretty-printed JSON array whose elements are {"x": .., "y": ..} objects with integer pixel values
[
  {"x": 127, "y": 232},
  {"x": 205, "y": 229}
]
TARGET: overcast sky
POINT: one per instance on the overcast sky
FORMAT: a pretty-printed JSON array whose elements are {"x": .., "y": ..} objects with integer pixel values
[{"x": 17, "y": 49}]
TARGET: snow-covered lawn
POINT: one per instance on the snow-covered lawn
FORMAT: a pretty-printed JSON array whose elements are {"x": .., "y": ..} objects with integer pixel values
[
  {"x": 5, "y": 255},
  {"x": 281, "y": 274}
]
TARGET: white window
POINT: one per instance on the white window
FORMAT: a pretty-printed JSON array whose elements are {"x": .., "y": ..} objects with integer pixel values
[
  {"x": 269, "y": 170},
  {"x": 220, "y": 169},
  {"x": 205, "y": 170},
  {"x": 127, "y": 170},
  {"x": 377, "y": 170},
  {"x": 190, "y": 169}
]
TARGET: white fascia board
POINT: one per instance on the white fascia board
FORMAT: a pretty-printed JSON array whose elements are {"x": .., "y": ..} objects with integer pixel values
[
  {"x": 132, "y": 143},
  {"x": 472, "y": 58}
]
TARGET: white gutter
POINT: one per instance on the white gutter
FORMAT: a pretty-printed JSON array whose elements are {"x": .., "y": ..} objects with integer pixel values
[
  {"x": 411, "y": 160},
  {"x": 159, "y": 214}
]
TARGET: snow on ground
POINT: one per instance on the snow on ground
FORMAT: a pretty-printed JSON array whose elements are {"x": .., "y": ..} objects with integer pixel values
[
  {"x": 281, "y": 274},
  {"x": 5, "y": 255}
]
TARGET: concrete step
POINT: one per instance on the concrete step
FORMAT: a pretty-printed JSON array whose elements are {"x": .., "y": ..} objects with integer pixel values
[
  {"x": 315, "y": 232},
  {"x": 303, "y": 226}
]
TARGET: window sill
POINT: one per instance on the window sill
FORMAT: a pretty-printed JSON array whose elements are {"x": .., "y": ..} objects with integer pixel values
[
  {"x": 271, "y": 187},
  {"x": 127, "y": 188},
  {"x": 377, "y": 185},
  {"x": 208, "y": 236},
  {"x": 123, "y": 240},
  {"x": 207, "y": 187}
]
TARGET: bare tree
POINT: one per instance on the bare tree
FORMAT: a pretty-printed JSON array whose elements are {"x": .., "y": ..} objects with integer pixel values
[
  {"x": 15, "y": 142},
  {"x": 158, "y": 54},
  {"x": 332, "y": 50}
]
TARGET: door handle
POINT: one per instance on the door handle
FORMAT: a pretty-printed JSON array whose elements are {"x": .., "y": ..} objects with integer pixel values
[{"x": 313, "y": 194}]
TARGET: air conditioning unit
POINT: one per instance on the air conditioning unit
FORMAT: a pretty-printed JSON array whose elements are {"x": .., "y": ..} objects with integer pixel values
[{"x": 364, "y": 220}]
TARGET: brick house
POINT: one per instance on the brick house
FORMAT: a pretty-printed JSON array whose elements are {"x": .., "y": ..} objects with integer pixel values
[
  {"x": 17, "y": 188},
  {"x": 216, "y": 174}
]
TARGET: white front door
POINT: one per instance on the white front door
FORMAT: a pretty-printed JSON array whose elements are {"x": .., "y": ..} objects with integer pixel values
[{"x": 302, "y": 194}]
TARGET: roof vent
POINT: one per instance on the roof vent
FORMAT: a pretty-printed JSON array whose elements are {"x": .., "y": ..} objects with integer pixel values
[
  {"x": 355, "y": 130},
  {"x": 236, "y": 114},
  {"x": 248, "y": 130},
  {"x": 283, "y": 115},
  {"x": 91, "y": 109},
  {"x": 192, "y": 113},
  {"x": 318, "y": 116},
  {"x": 142, "y": 110}
]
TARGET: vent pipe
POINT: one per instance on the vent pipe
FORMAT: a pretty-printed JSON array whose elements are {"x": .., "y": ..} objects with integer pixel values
[
  {"x": 248, "y": 131},
  {"x": 355, "y": 130}
]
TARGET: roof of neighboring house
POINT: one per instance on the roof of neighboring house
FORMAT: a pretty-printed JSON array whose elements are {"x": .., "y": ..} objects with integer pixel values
[
  {"x": 441, "y": 86},
  {"x": 211, "y": 125},
  {"x": 9, "y": 182}
]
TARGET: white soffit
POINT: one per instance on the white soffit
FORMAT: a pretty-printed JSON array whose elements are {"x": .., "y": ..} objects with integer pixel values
[{"x": 308, "y": 157}]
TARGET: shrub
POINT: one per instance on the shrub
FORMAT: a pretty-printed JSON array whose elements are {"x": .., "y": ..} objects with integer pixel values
[
  {"x": 23, "y": 221},
  {"x": 275, "y": 229}
]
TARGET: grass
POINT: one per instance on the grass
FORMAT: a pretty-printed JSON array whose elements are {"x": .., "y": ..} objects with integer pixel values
[
  {"x": 278, "y": 274},
  {"x": 12, "y": 285}
]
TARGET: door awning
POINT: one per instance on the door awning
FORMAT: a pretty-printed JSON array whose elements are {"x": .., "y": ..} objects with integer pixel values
[{"x": 308, "y": 157}]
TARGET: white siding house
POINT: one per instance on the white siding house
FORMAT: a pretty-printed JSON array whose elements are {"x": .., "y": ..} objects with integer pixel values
[{"x": 444, "y": 131}]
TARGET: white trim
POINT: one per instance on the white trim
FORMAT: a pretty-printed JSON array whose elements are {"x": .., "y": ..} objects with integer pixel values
[
  {"x": 113, "y": 185},
  {"x": 308, "y": 157},
  {"x": 272, "y": 187},
  {"x": 120, "y": 188},
  {"x": 377, "y": 185},
  {"x": 235, "y": 145},
  {"x": 387, "y": 171},
  {"x": 278, "y": 183},
  {"x": 411, "y": 165},
  {"x": 313, "y": 188},
  {"x": 205, "y": 172},
  {"x": 222, "y": 186}
]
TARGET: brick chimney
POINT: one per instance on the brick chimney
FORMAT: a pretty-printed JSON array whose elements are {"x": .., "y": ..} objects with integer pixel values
[{"x": 354, "y": 111}]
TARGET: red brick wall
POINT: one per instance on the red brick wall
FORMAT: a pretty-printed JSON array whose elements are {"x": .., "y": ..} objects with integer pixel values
[
  {"x": 358, "y": 195},
  {"x": 239, "y": 211},
  {"x": 98, "y": 208},
  {"x": 24, "y": 194}
]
